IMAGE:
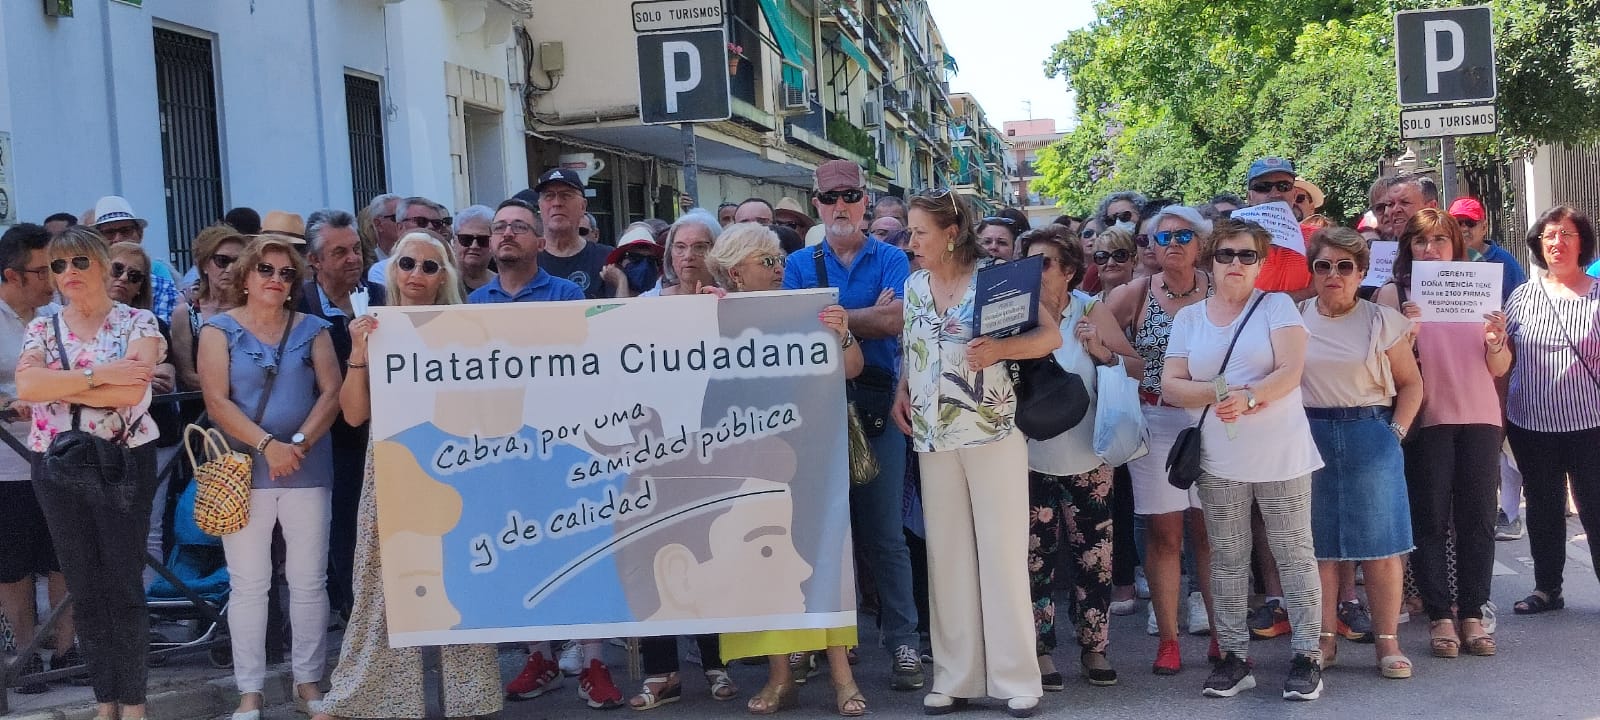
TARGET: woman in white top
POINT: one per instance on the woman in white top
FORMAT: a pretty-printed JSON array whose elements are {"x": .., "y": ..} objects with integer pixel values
[
  {"x": 1069, "y": 487},
  {"x": 957, "y": 404},
  {"x": 1256, "y": 449}
]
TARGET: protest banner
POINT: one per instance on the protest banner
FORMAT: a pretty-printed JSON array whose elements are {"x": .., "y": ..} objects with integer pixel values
[
  {"x": 1455, "y": 291},
  {"x": 663, "y": 466},
  {"x": 1278, "y": 220},
  {"x": 1381, "y": 266}
]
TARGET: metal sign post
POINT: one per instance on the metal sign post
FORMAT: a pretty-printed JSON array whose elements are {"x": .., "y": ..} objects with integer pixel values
[{"x": 683, "y": 71}]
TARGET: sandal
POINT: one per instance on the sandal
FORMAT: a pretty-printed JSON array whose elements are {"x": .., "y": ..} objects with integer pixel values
[
  {"x": 1444, "y": 646},
  {"x": 1394, "y": 667},
  {"x": 1540, "y": 601},
  {"x": 850, "y": 701},
  {"x": 722, "y": 687},
  {"x": 1480, "y": 644},
  {"x": 658, "y": 690},
  {"x": 773, "y": 698},
  {"x": 802, "y": 665},
  {"x": 1330, "y": 658}
]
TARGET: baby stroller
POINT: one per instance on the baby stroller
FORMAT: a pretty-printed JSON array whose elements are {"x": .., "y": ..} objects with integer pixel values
[{"x": 192, "y": 589}]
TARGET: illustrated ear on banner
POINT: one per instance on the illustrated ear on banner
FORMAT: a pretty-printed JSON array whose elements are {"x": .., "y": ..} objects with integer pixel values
[{"x": 674, "y": 570}]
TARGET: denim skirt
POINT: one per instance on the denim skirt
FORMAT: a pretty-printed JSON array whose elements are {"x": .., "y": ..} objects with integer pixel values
[{"x": 1359, "y": 506}]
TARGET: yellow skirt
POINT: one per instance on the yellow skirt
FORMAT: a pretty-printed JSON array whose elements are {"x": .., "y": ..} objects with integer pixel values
[{"x": 783, "y": 642}]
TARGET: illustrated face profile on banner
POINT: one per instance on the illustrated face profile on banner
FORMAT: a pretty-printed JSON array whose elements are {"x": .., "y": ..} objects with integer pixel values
[{"x": 661, "y": 466}]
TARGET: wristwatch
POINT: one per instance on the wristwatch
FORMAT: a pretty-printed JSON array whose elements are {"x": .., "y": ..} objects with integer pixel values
[
  {"x": 88, "y": 374},
  {"x": 297, "y": 439},
  {"x": 1249, "y": 399},
  {"x": 849, "y": 339},
  {"x": 1399, "y": 430}
]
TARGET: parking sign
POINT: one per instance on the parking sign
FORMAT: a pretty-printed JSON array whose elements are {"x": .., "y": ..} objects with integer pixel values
[{"x": 1445, "y": 56}]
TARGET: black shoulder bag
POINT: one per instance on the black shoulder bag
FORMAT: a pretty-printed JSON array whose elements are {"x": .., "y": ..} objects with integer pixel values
[
  {"x": 92, "y": 469},
  {"x": 871, "y": 392},
  {"x": 1183, "y": 460},
  {"x": 1050, "y": 400}
]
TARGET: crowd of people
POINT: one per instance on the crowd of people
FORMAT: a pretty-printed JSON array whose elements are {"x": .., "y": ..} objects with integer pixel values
[{"x": 1334, "y": 434}]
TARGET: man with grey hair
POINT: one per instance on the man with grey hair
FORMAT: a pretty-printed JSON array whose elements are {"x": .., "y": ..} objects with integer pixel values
[
  {"x": 1406, "y": 195},
  {"x": 412, "y": 213},
  {"x": 567, "y": 254},
  {"x": 334, "y": 249},
  {"x": 890, "y": 206},
  {"x": 387, "y": 232}
]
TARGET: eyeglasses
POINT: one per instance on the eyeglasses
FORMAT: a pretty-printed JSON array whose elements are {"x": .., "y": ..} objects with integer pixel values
[
  {"x": 999, "y": 221},
  {"x": 1102, "y": 257},
  {"x": 422, "y": 223},
  {"x": 1141, "y": 240},
  {"x": 59, "y": 265},
  {"x": 1226, "y": 256},
  {"x": 849, "y": 195},
  {"x": 1381, "y": 208},
  {"x": 40, "y": 271},
  {"x": 639, "y": 258},
  {"x": 1326, "y": 268},
  {"x": 468, "y": 240},
  {"x": 133, "y": 275},
  {"x": 695, "y": 250},
  {"x": 1181, "y": 237},
  {"x": 515, "y": 227},
  {"x": 1114, "y": 218},
  {"x": 408, "y": 264},
  {"x": 1467, "y": 224},
  {"x": 223, "y": 261},
  {"x": 1282, "y": 186},
  {"x": 1548, "y": 236},
  {"x": 285, "y": 274}
]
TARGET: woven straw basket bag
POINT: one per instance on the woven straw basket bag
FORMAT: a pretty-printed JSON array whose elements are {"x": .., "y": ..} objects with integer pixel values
[{"x": 222, "y": 498}]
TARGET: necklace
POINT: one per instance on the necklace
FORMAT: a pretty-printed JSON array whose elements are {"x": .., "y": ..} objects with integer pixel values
[
  {"x": 1331, "y": 316},
  {"x": 1174, "y": 296}
]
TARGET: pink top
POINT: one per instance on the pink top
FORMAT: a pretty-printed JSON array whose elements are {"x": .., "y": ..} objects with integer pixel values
[{"x": 1457, "y": 386}]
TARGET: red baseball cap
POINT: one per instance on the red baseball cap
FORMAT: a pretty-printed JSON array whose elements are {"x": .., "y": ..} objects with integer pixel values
[{"x": 1467, "y": 208}]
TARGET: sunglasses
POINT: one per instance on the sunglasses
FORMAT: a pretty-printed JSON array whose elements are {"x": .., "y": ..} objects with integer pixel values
[
  {"x": 1467, "y": 224},
  {"x": 1102, "y": 257},
  {"x": 640, "y": 258},
  {"x": 583, "y": 232},
  {"x": 999, "y": 221},
  {"x": 285, "y": 274},
  {"x": 422, "y": 223},
  {"x": 1226, "y": 256},
  {"x": 112, "y": 233},
  {"x": 849, "y": 195},
  {"x": 1282, "y": 186},
  {"x": 223, "y": 261},
  {"x": 792, "y": 225},
  {"x": 468, "y": 240},
  {"x": 1086, "y": 233},
  {"x": 771, "y": 261},
  {"x": 407, "y": 264},
  {"x": 1114, "y": 218},
  {"x": 942, "y": 193},
  {"x": 133, "y": 275},
  {"x": 1302, "y": 198},
  {"x": 1141, "y": 240},
  {"x": 59, "y": 265},
  {"x": 1181, "y": 237},
  {"x": 1325, "y": 267}
]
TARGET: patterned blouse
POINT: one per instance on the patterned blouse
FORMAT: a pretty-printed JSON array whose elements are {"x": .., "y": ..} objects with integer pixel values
[
  {"x": 122, "y": 326},
  {"x": 952, "y": 407}
]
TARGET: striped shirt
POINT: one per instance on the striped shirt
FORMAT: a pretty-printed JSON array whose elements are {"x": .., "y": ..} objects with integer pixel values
[{"x": 1552, "y": 389}]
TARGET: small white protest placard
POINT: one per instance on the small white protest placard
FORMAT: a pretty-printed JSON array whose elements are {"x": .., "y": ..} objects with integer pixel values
[
  {"x": 1381, "y": 268},
  {"x": 1456, "y": 291},
  {"x": 1278, "y": 219}
]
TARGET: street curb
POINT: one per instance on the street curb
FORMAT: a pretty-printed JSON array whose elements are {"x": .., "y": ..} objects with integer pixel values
[{"x": 199, "y": 700}]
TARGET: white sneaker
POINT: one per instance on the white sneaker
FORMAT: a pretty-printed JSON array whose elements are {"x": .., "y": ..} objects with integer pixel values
[
  {"x": 1150, "y": 626},
  {"x": 1199, "y": 624},
  {"x": 571, "y": 658},
  {"x": 1141, "y": 586}
]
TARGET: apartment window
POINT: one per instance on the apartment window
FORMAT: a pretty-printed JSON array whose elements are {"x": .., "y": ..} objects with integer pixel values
[
  {"x": 363, "y": 105},
  {"x": 186, "y": 98}
]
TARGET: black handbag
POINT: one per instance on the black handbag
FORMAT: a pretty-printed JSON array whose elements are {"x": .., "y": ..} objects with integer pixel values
[
  {"x": 90, "y": 468},
  {"x": 872, "y": 391},
  {"x": 1183, "y": 460},
  {"x": 1050, "y": 400}
]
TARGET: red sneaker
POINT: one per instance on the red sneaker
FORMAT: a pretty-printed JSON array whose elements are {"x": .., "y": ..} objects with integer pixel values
[
  {"x": 1169, "y": 660},
  {"x": 596, "y": 688},
  {"x": 539, "y": 676}
]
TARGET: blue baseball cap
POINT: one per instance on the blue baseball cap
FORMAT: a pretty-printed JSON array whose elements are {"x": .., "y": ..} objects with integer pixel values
[{"x": 1269, "y": 165}]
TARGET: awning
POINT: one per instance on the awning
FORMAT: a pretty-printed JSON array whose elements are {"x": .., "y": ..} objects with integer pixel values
[
  {"x": 796, "y": 54},
  {"x": 854, "y": 51}
]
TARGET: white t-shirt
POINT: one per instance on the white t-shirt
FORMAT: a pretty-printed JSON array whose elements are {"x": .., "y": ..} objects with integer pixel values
[
  {"x": 1071, "y": 452},
  {"x": 1272, "y": 444}
]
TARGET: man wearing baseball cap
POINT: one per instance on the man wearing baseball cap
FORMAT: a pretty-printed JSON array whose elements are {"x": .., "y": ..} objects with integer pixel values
[
  {"x": 864, "y": 269},
  {"x": 116, "y": 221},
  {"x": 1469, "y": 213},
  {"x": 1272, "y": 179},
  {"x": 567, "y": 255}
]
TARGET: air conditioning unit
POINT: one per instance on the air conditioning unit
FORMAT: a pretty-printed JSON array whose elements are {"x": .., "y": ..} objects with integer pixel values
[
  {"x": 795, "y": 97},
  {"x": 871, "y": 114}
]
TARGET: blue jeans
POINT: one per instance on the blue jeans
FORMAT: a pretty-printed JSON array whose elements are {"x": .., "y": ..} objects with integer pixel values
[{"x": 875, "y": 519}]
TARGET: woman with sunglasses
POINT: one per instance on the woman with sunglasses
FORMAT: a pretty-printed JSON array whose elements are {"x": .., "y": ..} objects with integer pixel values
[
  {"x": 104, "y": 389},
  {"x": 1361, "y": 383},
  {"x": 957, "y": 404},
  {"x": 1256, "y": 449},
  {"x": 471, "y": 248},
  {"x": 748, "y": 258},
  {"x": 1452, "y": 463},
  {"x": 1069, "y": 486},
  {"x": 215, "y": 250},
  {"x": 1115, "y": 255},
  {"x": 271, "y": 383},
  {"x": 1120, "y": 208},
  {"x": 372, "y": 679},
  {"x": 1145, "y": 309}
]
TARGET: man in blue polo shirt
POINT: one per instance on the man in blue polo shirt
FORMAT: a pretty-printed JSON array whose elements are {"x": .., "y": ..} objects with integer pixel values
[
  {"x": 516, "y": 251},
  {"x": 870, "y": 276}
]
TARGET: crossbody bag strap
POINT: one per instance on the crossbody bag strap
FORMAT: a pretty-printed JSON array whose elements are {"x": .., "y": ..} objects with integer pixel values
[
  {"x": 272, "y": 375},
  {"x": 1231, "y": 343},
  {"x": 1556, "y": 314},
  {"x": 822, "y": 265},
  {"x": 77, "y": 410}
]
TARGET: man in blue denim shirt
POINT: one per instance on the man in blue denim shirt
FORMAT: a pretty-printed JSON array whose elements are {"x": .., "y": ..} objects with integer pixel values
[{"x": 870, "y": 276}]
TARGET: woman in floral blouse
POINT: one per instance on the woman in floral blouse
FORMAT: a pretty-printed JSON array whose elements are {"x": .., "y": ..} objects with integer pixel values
[{"x": 957, "y": 404}]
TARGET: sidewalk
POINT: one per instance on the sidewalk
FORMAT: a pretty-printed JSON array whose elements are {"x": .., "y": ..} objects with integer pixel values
[{"x": 186, "y": 688}]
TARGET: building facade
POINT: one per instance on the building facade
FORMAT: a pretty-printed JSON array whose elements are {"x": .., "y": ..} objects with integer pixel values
[{"x": 1027, "y": 138}]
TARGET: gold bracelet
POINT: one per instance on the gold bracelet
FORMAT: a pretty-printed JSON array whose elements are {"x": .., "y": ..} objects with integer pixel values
[{"x": 355, "y": 366}]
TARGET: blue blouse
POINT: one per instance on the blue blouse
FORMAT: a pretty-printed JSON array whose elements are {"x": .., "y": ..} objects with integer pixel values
[{"x": 292, "y": 396}]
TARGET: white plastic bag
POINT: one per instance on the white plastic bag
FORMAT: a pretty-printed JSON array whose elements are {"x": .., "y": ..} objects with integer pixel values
[{"x": 1120, "y": 433}]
